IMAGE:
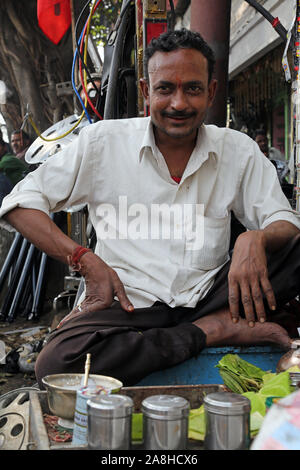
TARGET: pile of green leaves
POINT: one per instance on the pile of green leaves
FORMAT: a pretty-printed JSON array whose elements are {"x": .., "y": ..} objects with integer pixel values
[
  {"x": 250, "y": 381},
  {"x": 240, "y": 376}
]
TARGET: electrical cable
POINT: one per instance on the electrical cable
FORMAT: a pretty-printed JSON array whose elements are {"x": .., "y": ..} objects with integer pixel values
[
  {"x": 124, "y": 7},
  {"x": 109, "y": 111},
  {"x": 74, "y": 86},
  {"x": 279, "y": 28},
  {"x": 83, "y": 79},
  {"x": 79, "y": 41},
  {"x": 28, "y": 116},
  {"x": 78, "y": 52},
  {"x": 58, "y": 137}
]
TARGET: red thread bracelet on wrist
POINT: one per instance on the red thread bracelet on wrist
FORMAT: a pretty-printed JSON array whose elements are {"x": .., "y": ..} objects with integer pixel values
[{"x": 74, "y": 259}]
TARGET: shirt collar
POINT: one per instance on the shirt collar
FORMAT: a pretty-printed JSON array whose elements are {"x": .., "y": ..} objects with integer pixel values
[
  {"x": 148, "y": 140},
  {"x": 205, "y": 147}
]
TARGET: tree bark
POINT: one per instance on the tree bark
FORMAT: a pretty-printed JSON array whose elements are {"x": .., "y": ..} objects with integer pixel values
[{"x": 31, "y": 66}]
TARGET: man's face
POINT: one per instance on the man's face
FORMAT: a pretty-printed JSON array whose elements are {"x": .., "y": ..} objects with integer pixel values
[
  {"x": 17, "y": 143},
  {"x": 178, "y": 91},
  {"x": 262, "y": 142}
]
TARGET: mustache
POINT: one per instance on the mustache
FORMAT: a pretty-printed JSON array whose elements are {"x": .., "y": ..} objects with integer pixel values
[{"x": 178, "y": 114}]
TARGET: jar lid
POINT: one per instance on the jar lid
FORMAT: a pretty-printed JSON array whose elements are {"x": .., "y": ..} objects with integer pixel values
[
  {"x": 110, "y": 406},
  {"x": 165, "y": 407},
  {"x": 226, "y": 403}
]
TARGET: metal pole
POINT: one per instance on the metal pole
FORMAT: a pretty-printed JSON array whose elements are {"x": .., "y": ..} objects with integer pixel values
[
  {"x": 21, "y": 284},
  {"x": 39, "y": 286},
  {"x": 12, "y": 253},
  {"x": 12, "y": 287}
]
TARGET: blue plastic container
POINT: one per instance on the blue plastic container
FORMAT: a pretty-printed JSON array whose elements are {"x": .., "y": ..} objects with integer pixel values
[{"x": 202, "y": 370}]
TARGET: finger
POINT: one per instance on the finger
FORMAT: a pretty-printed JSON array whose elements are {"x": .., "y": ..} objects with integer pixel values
[
  {"x": 269, "y": 293},
  {"x": 120, "y": 293},
  {"x": 233, "y": 299},
  {"x": 247, "y": 304},
  {"x": 258, "y": 301}
]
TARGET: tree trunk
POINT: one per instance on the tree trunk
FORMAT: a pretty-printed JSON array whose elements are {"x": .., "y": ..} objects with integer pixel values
[{"x": 31, "y": 66}]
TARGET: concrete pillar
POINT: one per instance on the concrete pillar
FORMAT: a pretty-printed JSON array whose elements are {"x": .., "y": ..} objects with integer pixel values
[{"x": 212, "y": 20}]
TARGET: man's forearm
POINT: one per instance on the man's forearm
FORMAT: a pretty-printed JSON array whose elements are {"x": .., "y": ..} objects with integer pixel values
[
  {"x": 38, "y": 228},
  {"x": 277, "y": 234}
]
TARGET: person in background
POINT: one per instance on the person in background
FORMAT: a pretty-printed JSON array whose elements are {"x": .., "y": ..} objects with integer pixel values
[
  {"x": 12, "y": 170},
  {"x": 20, "y": 142},
  {"x": 272, "y": 154}
]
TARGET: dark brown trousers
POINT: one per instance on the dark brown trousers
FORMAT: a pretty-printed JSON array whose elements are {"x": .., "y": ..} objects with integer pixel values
[{"x": 129, "y": 346}]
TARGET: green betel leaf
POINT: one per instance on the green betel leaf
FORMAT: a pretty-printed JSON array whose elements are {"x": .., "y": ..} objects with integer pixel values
[
  {"x": 239, "y": 375},
  {"x": 258, "y": 402},
  {"x": 278, "y": 386},
  {"x": 294, "y": 369},
  {"x": 229, "y": 361},
  {"x": 256, "y": 420},
  {"x": 196, "y": 428},
  {"x": 267, "y": 377},
  {"x": 232, "y": 381},
  {"x": 250, "y": 370},
  {"x": 137, "y": 427}
]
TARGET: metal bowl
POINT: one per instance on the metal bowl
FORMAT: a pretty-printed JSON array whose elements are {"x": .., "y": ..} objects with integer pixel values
[{"x": 62, "y": 389}]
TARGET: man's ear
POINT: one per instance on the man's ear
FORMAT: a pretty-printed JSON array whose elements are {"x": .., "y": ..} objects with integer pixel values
[
  {"x": 145, "y": 89},
  {"x": 212, "y": 88}
]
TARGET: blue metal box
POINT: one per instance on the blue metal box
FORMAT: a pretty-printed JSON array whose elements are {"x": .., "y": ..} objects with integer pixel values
[{"x": 202, "y": 370}]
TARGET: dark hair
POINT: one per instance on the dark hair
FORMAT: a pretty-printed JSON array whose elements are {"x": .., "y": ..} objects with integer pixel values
[
  {"x": 23, "y": 133},
  {"x": 179, "y": 39},
  {"x": 260, "y": 132}
]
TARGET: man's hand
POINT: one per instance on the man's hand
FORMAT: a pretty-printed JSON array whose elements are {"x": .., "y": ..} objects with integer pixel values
[
  {"x": 102, "y": 285},
  {"x": 248, "y": 278}
]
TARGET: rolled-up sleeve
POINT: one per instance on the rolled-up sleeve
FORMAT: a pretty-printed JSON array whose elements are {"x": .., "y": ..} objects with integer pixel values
[
  {"x": 64, "y": 180},
  {"x": 261, "y": 200}
]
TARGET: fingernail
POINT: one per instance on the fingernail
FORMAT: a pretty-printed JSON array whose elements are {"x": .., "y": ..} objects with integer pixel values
[
  {"x": 273, "y": 307},
  {"x": 262, "y": 320},
  {"x": 251, "y": 324},
  {"x": 130, "y": 307},
  {"x": 235, "y": 320}
]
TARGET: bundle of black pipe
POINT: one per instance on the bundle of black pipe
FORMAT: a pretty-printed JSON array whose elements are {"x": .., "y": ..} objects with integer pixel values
[{"x": 24, "y": 271}]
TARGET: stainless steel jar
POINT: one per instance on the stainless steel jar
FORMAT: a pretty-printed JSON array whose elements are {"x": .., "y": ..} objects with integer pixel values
[
  {"x": 165, "y": 422},
  {"x": 227, "y": 421},
  {"x": 109, "y": 422},
  {"x": 291, "y": 359}
]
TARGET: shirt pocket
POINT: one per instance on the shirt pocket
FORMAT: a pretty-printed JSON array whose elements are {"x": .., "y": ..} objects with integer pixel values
[{"x": 215, "y": 247}]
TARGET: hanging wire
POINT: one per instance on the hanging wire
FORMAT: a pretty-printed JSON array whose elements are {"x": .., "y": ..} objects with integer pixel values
[
  {"x": 78, "y": 41},
  {"x": 28, "y": 116},
  {"x": 84, "y": 78},
  {"x": 74, "y": 85}
]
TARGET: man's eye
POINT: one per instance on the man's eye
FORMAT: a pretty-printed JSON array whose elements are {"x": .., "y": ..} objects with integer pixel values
[
  {"x": 194, "y": 89},
  {"x": 164, "y": 89}
]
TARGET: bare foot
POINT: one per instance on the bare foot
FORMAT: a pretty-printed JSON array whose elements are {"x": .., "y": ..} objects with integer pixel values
[{"x": 221, "y": 331}]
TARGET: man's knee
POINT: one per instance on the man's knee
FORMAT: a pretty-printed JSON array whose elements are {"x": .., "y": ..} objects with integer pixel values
[{"x": 49, "y": 361}]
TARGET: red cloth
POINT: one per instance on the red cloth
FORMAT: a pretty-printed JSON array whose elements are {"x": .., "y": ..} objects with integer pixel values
[
  {"x": 177, "y": 179},
  {"x": 54, "y": 18}
]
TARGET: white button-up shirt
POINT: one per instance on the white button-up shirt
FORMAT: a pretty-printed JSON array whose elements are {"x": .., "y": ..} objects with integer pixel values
[{"x": 165, "y": 240}]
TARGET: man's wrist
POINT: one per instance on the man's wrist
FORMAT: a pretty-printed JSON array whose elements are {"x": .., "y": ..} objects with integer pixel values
[{"x": 75, "y": 257}]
